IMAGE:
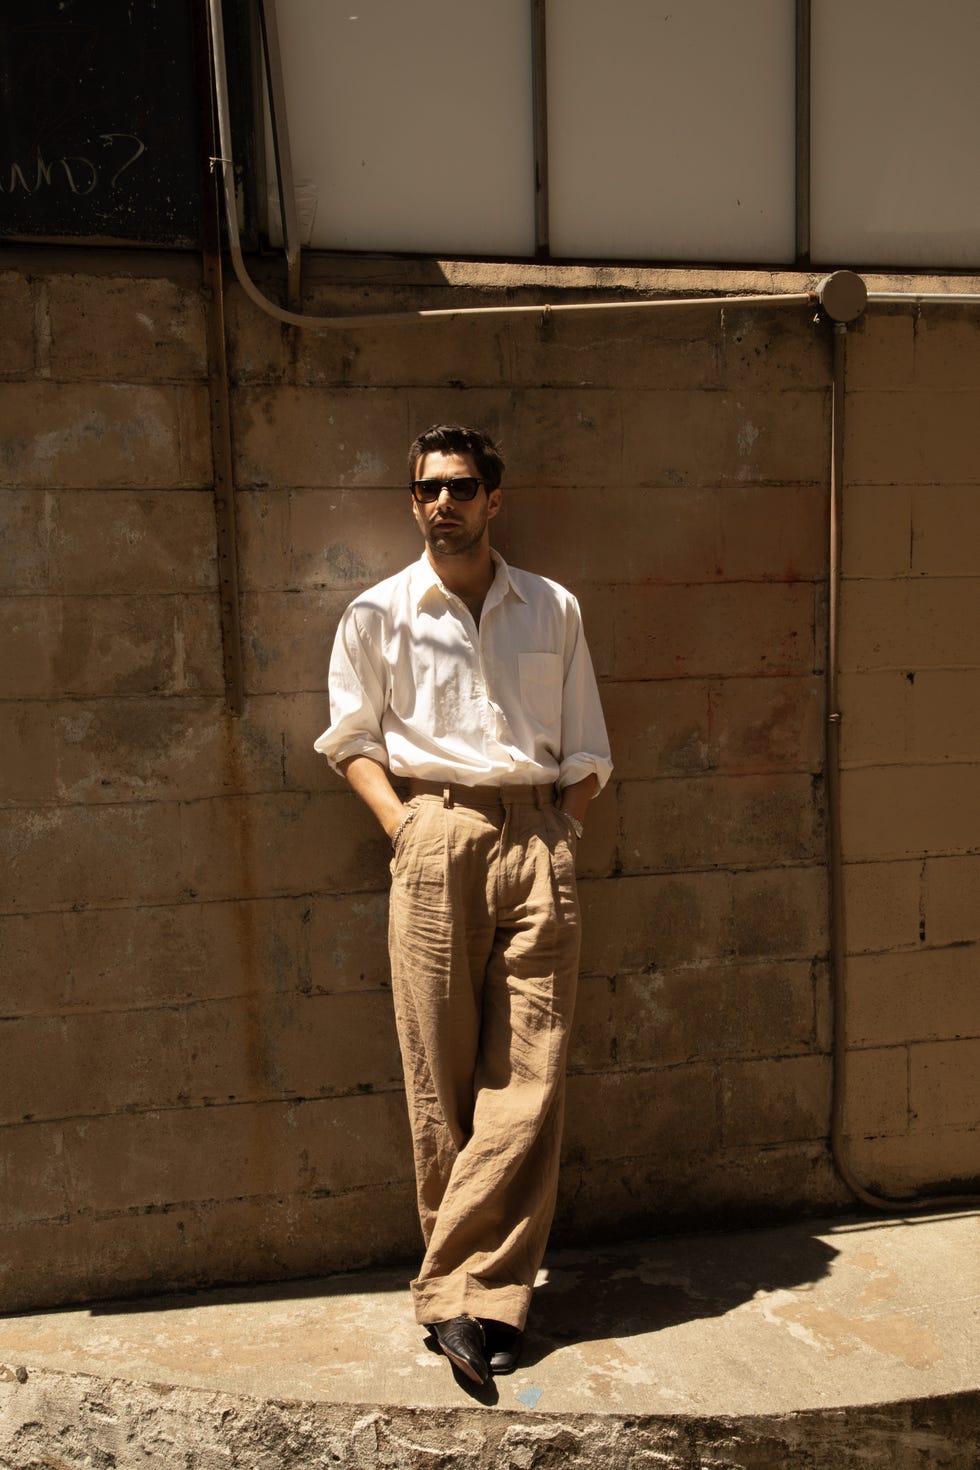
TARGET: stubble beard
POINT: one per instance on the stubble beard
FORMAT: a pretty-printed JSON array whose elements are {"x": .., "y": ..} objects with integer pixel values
[{"x": 456, "y": 540}]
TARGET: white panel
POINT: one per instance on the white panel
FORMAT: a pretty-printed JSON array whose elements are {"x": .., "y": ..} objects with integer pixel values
[
  {"x": 672, "y": 129},
  {"x": 411, "y": 123},
  {"x": 896, "y": 133}
]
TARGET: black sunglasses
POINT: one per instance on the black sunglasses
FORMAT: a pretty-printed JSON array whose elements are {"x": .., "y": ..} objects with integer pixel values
[{"x": 463, "y": 488}]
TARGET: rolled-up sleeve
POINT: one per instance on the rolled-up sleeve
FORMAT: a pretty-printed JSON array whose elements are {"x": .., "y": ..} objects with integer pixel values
[
  {"x": 584, "y": 742},
  {"x": 358, "y": 694}
]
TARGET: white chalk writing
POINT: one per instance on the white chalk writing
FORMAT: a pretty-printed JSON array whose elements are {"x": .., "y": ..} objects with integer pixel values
[{"x": 80, "y": 174}]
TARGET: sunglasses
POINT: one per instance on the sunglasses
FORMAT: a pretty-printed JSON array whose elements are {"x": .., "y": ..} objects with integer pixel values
[{"x": 464, "y": 488}]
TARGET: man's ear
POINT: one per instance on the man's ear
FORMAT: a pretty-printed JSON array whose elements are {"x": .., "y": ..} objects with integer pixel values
[{"x": 494, "y": 501}]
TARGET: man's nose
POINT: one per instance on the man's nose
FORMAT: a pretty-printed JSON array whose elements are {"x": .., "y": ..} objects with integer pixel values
[{"x": 445, "y": 499}]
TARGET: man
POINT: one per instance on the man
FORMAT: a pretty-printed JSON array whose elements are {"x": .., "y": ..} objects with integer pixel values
[{"x": 472, "y": 682}]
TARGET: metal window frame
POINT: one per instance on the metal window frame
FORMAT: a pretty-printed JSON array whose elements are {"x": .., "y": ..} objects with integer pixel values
[{"x": 803, "y": 102}]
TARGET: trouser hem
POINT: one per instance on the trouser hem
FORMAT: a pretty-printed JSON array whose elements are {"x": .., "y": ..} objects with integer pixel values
[{"x": 440, "y": 1301}]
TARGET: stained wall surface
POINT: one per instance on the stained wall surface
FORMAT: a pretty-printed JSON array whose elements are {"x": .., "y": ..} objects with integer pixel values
[
  {"x": 910, "y": 692},
  {"x": 201, "y": 1079}
]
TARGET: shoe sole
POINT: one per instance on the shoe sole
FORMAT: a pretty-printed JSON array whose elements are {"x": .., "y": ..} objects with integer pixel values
[{"x": 463, "y": 1366}]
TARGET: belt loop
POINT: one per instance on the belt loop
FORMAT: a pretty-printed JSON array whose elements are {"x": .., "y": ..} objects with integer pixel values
[
  {"x": 447, "y": 796},
  {"x": 537, "y": 797}
]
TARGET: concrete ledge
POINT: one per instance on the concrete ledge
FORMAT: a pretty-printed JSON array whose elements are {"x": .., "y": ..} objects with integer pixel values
[{"x": 827, "y": 1346}]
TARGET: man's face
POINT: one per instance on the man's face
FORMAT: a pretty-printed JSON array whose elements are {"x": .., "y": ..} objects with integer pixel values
[{"x": 453, "y": 527}]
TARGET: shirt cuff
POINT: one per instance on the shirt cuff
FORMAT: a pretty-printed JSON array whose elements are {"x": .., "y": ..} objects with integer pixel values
[
  {"x": 577, "y": 767},
  {"x": 337, "y": 752}
]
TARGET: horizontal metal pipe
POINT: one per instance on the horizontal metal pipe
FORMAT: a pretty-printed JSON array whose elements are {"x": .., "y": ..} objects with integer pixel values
[
  {"x": 299, "y": 319},
  {"x": 914, "y": 297}
]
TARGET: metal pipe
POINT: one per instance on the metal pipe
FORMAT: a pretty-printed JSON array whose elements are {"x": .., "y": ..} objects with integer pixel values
[
  {"x": 838, "y": 936},
  {"x": 915, "y": 298}
]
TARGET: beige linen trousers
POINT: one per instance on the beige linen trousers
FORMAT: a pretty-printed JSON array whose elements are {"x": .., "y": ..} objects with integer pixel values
[{"x": 484, "y": 946}]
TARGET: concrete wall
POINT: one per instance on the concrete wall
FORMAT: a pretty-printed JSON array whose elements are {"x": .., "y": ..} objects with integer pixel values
[
  {"x": 201, "y": 1078},
  {"x": 910, "y": 692}
]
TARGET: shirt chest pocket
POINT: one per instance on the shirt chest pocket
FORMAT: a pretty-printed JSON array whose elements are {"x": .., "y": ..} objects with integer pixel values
[{"x": 541, "y": 680}]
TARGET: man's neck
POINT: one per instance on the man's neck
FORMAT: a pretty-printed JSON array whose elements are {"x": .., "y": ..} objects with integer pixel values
[{"x": 469, "y": 577}]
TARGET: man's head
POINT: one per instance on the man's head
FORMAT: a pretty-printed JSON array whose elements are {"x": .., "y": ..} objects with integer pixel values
[
  {"x": 447, "y": 459},
  {"x": 455, "y": 439}
]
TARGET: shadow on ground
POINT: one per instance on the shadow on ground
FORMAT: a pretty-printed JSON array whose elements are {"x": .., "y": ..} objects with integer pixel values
[{"x": 636, "y": 1289}]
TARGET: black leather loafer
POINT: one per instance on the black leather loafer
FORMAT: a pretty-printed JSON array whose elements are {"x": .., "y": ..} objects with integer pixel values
[
  {"x": 462, "y": 1340},
  {"x": 504, "y": 1345}
]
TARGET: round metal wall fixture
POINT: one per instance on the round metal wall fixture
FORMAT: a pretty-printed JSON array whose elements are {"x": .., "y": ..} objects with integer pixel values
[{"x": 843, "y": 296}]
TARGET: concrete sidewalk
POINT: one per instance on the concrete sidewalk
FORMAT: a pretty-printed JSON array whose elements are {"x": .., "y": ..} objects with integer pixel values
[{"x": 817, "y": 1344}]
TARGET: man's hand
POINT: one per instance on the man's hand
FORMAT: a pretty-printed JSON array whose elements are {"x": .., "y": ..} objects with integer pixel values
[
  {"x": 575, "y": 799},
  {"x": 368, "y": 779}
]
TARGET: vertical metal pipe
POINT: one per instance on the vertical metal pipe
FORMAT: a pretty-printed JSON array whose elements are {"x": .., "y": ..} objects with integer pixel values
[
  {"x": 539, "y": 94},
  {"x": 803, "y": 34},
  {"x": 838, "y": 940}
]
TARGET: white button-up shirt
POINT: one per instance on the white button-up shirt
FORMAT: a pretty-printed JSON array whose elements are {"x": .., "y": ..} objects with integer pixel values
[{"x": 419, "y": 687}]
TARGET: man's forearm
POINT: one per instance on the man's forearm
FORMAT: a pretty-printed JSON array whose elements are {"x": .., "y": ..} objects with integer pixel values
[
  {"x": 575, "y": 799},
  {"x": 369, "y": 780}
]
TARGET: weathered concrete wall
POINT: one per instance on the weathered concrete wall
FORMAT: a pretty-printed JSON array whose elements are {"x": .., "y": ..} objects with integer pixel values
[
  {"x": 910, "y": 693},
  {"x": 201, "y": 1078},
  {"x": 78, "y": 1420}
]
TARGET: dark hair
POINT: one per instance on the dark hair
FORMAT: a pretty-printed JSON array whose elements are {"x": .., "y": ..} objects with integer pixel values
[{"x": 454, "y": 439}]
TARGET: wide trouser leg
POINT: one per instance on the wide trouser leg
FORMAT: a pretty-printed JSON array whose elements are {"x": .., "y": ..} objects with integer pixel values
[
  {"x": 484, "y": 946},
  {"x": 440, "y": 933}
]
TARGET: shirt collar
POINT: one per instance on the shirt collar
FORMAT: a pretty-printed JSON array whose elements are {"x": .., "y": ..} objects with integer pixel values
[{"x": 424, "y": 579}]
